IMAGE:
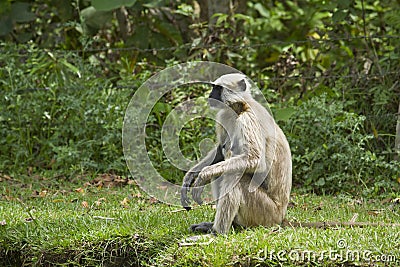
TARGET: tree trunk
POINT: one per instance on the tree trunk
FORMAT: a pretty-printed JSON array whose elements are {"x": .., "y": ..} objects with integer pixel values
[
  {"x": 210, "y": 7},
  {"x": 214, "y": 7}
]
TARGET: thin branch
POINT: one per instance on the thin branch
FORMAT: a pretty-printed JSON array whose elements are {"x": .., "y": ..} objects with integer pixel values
[{"x": 363, "y": 18}]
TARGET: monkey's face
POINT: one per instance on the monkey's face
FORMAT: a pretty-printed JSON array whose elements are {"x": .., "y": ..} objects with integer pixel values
[
  {"x": 228, "y": 89},
  {"x": 215, "y": 98}
]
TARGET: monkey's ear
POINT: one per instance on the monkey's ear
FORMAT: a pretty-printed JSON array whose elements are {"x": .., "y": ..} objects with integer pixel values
[{"x": 242, "y": 85}]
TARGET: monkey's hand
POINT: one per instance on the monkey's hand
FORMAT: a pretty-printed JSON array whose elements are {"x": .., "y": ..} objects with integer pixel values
[
  {"x": 197, "y": 190},
  {"x": 187, "y": 182},
  {"x": 198, "y": 186}
]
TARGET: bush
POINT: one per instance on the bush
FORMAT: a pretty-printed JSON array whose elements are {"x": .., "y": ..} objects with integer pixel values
[
  {"x": 53, "y": 117},
  {"x": 330, "y": 150}
]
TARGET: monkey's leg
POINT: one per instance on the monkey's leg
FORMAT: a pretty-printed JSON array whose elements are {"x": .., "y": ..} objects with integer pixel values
[
  {"x": 227, "y": 209},
  {"x": 206, "y": 227},
  {"x": 257, "y": 208}
]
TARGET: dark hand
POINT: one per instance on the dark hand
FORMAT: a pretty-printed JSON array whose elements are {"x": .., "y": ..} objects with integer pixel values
[
  {"x": 187, "y": 182},
  {"x": 197, "y": 190}
]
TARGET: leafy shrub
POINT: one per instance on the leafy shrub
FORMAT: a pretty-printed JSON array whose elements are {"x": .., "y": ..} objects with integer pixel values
[
  {"x": 55, "y": 118},
  {"x": 330, "y": 150},
  {"x": 190, "y": 136}
]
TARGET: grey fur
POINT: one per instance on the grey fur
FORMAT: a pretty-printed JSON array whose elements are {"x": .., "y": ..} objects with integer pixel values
[{"x": 250, "y": 169}]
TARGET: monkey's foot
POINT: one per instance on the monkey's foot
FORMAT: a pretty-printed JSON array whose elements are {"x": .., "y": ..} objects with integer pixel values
[{"x": 204, "y": 227}]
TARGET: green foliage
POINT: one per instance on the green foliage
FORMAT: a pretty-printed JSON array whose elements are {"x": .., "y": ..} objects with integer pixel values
[
  {"x": 63, "y": 110},
  {"x": 104, "y": 5},
  {"x": 56, "y": 114},
  {"x": 11, "y": 13},
  {"x": 330, "y": 151},
  {"x": 190, "y": 136},
  {"x": 328, "y": 68}
]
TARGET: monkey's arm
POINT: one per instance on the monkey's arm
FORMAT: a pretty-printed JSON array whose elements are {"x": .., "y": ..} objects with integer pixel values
[
  {"x": 237, "y": 164},
  {"x": 249, "y": 152},
  {"x": 214, "y": 156}
]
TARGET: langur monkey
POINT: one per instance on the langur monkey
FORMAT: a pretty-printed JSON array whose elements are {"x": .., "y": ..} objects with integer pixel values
[{"x": 250, "y": 169}]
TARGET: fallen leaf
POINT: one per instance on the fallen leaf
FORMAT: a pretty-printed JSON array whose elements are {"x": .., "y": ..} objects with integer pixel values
[
  {"x": 125, "y": 202},
  {"x": 398, "y": 180},
  {"x": 99, "y": 201},
  {"x": 85, "y": 205},
  {"x": 120, "y": 180},
  {"x": 58, "y": 200},
  {"x": 396, "y": 200},
  {"x": 80, "y": 190},
  {"x": 153, "y": 200},
  {"x": 375, "y": 212},
  {"x": 8, "y": 198},
  {"x": 43, "y": 193},
  {"x": 132, "y": 182},
  {"x": 386, "y": 200},
  {"x": 87, "y": 184},
  {"x": 109, "y": 180},
  {"x": 3, "y": 222},
  {"x": 4, "y": 177},
  {"x": 138, "y": 195}
]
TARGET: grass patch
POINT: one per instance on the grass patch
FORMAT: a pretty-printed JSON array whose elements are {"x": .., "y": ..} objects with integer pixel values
[{"x": 98, "y": 222}]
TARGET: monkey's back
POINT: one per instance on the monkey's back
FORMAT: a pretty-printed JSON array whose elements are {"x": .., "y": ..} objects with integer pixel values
[{"x": 278, "y": 156}]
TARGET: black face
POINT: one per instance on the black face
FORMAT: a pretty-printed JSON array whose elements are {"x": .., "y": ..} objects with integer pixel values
[{"x": 215, "y": 99}]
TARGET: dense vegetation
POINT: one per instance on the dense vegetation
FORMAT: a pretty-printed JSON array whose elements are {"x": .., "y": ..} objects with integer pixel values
[
  {"x": 329, "y": 71},
  {"x": 68, "y": 69}
]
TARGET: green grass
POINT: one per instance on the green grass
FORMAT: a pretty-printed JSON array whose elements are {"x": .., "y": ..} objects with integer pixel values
[{"x": 66, "y": 230}]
